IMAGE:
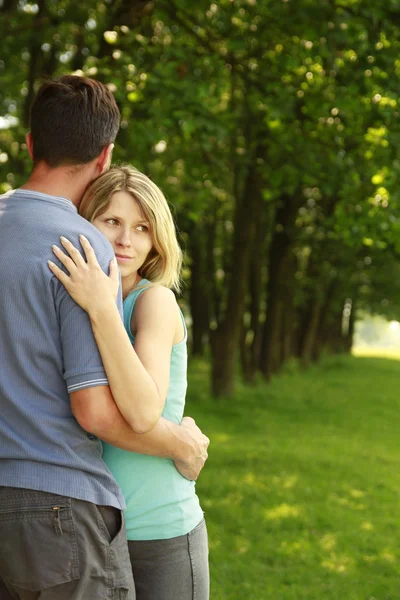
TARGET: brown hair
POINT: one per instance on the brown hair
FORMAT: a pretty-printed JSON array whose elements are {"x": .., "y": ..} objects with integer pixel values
[
  {"x": 164, "y": 261},
  {"x": 72, "y": 120}
]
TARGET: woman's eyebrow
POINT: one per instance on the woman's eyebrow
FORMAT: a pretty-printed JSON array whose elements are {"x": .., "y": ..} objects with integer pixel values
[{"x": 113, "y": 215}]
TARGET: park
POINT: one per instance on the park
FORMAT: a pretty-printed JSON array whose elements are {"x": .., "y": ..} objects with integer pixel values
[{"x": 272, "y": 127}]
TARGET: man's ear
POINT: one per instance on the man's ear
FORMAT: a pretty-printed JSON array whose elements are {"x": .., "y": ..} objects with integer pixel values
[
  {"x": 29, "y": 143},
  {"x": 104, "y": 158}
]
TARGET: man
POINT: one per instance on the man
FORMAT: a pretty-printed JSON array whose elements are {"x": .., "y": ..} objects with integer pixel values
[{"x": 62, "y": 534}]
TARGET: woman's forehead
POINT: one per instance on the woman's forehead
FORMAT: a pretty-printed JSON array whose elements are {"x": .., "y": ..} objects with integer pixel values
[{"x": 126, "y": 205}]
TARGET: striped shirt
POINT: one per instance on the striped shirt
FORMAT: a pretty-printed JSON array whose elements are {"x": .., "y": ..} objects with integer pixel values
[{"x": 47, "y": 350}]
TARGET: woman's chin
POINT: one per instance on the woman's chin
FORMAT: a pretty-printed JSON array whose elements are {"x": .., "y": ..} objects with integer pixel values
[{"x": 128, "y": 274}]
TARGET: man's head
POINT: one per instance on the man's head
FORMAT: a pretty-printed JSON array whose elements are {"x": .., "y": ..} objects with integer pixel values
[{"x": 73, "y": 121}]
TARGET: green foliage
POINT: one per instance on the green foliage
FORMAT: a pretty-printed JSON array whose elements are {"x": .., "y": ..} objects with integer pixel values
[{"x": 307, "y": 92}]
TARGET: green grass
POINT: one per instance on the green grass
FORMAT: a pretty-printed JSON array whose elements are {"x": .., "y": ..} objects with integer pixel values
[{"x": 302, "y": 487}]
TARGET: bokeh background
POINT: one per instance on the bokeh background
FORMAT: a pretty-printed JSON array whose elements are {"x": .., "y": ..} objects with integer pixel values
[{"x": 272, "y": 126}]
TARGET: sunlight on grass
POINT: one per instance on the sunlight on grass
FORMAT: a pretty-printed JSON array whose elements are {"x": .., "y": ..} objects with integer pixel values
[
  {"x": 338, "y": 564},
  {"x": 328, "y": 542},
  {"x": 242, "y": 544},
  {"x": 251, "y": 479},
  {"x": 349, "y": 503},
  {"x": 378, "y": 352},
  {"x": 370, "y": 558},
  {"x": 214, "y": 544},
  {"x": 388, "y": 556},
  {"x": 357, "y": 493},
  {"x": 293, "y": 548},
  {"x": 283, "y": 511},
  {"x": 285, "y": 481},
  {"x": 234, "y": 499},
  {"x": 301, "y": 490}
]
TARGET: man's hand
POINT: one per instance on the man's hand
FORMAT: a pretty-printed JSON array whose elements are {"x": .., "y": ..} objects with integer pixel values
[{"x": 197, "y": 443}]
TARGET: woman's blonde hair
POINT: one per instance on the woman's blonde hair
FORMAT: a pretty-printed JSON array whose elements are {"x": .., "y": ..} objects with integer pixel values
[{"x": 164, "y": 261}]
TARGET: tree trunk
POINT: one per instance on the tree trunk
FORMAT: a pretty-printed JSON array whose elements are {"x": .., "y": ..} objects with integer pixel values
[
  {"x": 199, "y": 293},
  {"x": 310, "y": 331},
  {"x": 34, "y": 64},
  {"x": 8, "y": 6},
  {"x": 348, "y": 341},
  {"x": 324, "y": 317},
  {"x": 250, "y": 350},
  {"x": 289, "y": 317},
  {"x": 333, "y": 340},
  {"x": 226, "y": 338},
  {"x": 279, "y": 272}
]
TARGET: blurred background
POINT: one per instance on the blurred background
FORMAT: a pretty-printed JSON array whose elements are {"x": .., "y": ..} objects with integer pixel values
[{"x": 272, "y": 127}]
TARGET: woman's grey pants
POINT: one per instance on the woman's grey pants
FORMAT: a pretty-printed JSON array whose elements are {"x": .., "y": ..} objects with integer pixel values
[{"x": 174, "y": 569}]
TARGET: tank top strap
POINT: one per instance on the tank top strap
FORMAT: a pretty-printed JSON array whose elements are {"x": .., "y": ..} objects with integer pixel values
[
  {"x": 185, "y": 333},
  {"x": 129, "y": 304}
]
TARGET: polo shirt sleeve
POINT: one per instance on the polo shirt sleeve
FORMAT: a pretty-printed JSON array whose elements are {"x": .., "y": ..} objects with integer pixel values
[{"x": 82, "y": 362}]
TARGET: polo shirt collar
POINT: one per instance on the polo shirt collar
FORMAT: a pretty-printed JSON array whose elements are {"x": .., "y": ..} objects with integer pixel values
[{"x": 47, "y": 197}]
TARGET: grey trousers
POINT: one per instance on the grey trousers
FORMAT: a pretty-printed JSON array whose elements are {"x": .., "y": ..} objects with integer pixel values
[
  {"x": 58, "y": 548},
  {"x": 174, "y": 569}
]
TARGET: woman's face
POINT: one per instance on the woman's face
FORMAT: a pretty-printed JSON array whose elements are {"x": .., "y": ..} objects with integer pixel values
[{"x": 126, "y": 227}]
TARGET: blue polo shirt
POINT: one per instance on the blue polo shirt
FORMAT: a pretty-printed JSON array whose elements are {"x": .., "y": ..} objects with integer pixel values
[{"x": 47, "y": 350}]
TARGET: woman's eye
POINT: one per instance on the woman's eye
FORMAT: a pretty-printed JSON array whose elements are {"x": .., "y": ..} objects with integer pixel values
[
  {"x": 143, "y": 228},
  {"x": 112, "y": 221}
]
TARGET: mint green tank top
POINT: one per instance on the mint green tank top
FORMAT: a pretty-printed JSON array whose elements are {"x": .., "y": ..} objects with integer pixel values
[{"x": 161, "y": 504}]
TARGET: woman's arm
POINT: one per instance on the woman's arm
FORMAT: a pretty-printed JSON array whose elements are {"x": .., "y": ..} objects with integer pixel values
[
  {"x": 139, "y": 389},
  {"x": 95, "y": 410},
  {"x": 138, "y": 377}
]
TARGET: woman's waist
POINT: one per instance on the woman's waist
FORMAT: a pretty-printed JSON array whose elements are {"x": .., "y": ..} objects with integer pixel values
[
  {"x": 162, "y": 522},
  {"x": 138, "y": 474}
]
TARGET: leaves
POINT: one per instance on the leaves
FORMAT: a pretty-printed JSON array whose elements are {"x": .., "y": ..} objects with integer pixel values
[{"x": 306, "y": 91}]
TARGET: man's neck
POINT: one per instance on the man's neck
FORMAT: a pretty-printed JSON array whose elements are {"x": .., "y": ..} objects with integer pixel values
[{"x": 58, "y": 182}]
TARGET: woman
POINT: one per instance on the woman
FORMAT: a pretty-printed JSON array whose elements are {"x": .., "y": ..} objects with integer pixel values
[{"x": 146, "y": 367}]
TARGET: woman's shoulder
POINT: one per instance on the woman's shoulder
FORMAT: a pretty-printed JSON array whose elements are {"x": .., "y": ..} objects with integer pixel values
[
  {"x": 155, "y": 295},
  {"x": 156, "y": 308}
]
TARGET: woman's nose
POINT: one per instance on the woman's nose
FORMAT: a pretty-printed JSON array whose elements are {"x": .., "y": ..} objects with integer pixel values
[{"x": 124, "y": 238}]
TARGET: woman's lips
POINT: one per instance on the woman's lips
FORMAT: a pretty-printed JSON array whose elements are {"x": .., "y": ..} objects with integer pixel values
[{"x": 122, "y": 258}]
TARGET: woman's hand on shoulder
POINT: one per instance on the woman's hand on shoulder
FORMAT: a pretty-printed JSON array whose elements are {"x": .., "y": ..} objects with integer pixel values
[{"x": 85, "y": 281}]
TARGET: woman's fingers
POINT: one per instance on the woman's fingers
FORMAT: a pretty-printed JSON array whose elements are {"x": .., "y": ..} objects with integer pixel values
[
  {"x": 114, "y": 271},
  {"x": 61, "y": 276},
  {"x": 114, "y": 276},
  {"x": 72, "y": 251},
  {"x": 64, "y": 259},
  {"x": 88, "y": 250},
  {"x": 75, "y": 255}
]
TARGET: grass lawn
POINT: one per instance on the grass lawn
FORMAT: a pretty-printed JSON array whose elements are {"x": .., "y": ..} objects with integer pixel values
[{"x": 301, "y": 491}]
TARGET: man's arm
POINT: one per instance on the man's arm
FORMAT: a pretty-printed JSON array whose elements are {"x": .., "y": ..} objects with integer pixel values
[{"x": 95, "y": 410}]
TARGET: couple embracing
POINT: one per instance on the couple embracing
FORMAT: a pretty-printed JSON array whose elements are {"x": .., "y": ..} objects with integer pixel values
[{"x": 97, "y": 462}]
